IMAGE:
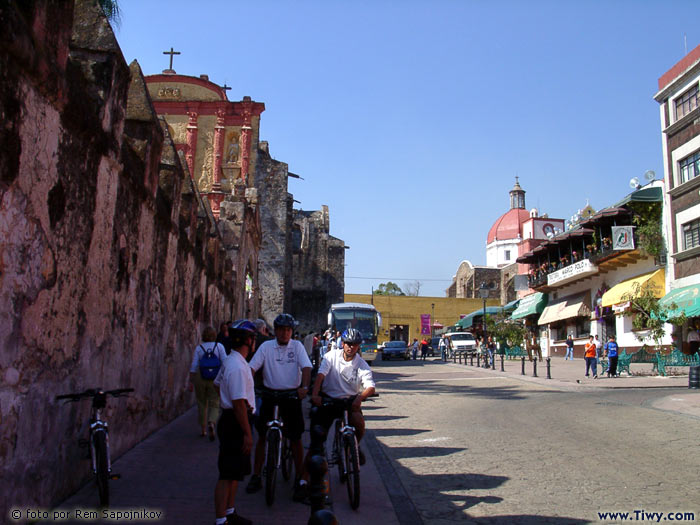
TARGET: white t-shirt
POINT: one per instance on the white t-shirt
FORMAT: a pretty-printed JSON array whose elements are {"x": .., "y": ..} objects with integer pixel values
[
  {"x": 219, "y": 352},
  {"x": 693, "y": 336},
  {"x": 344, "y": 378},
  {"x": 282, "y": 365},
  {"x": 235, "y": 381}
]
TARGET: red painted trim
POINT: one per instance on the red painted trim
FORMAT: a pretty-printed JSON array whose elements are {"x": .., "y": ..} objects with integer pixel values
[
  {"x": 685, "y": 63},
  {"x": 184, "y": 79},
  {"x": 233, "y": 111}
]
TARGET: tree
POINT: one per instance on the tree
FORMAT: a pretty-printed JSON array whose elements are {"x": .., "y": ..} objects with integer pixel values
[
  {"x": 648, "y": 316},
  {"x": 413, "y": 288},
  {"x": 111, "y": 10},
  {"x": 389, "y": 288},
  {"x": 504, "y": 330}
]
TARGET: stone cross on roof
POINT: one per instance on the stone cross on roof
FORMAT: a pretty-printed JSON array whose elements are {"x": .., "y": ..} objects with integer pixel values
[{"x": 171, "y": 53}]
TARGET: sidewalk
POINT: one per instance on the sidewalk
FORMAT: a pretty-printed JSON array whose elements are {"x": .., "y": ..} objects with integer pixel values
[
  {"x": 570, "y": 375},
  {"x": 174, "y": 471}
]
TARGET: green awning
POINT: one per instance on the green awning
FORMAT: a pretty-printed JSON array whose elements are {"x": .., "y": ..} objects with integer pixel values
[
  {"x": 529, "y": 305},
  {"x": 686, "y": 299},
  {"x": 511, "y": 306},
  {"x": 468, "y": 320},
  {"x": 643, "y": 195}
]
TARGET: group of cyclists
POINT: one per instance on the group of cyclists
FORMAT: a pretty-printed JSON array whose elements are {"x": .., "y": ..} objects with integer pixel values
[{"x": 284, "y": 366}]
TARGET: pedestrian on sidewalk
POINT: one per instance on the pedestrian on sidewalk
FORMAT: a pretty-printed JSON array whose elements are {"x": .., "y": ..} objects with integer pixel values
[
  {"x": 611, "y": 350},
  {"x": 237, "y": 393},
  {"x": 591, "y": 360},
  {"x": 222, "y": 337},
  {"x": 569, "y": 348},
  {"x": 693, "y": 339},
  {"x": 491, "y": 349},
  {"x": 206, "y": 362},
  {"x": 423, "y": 349},
  {"x": 442, "y": 345}
]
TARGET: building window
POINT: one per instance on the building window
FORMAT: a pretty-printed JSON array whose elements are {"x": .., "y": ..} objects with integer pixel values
[
  {"x": 687, "y": 102},
  {"x": 689, "y": 167},
  {"x": 507, "y": 255},
  {"x": 691, "y": 234}
]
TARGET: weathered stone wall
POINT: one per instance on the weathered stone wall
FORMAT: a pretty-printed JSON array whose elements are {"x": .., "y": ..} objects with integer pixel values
[
  {"x": 110, "y": 263},
  {"x": 469, "y": 279},
  {"x": 318, "y": 261},
  {"x": 275, "y": 221}
]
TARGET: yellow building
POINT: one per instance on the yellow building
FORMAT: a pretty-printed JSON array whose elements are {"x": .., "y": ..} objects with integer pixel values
[{"x": 401, "y": 314}]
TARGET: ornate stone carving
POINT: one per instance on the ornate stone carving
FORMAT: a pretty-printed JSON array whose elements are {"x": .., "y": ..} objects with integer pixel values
[
  {"x": 178, "y": 131},
  {"x": 169, "y": 93}
]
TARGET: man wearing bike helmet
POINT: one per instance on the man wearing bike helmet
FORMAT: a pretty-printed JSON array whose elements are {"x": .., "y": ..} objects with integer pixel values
[
  {"x": 285, "y": 366},
  {"x": 237, "y": 399},
  {"x": 343, "y": 375}
]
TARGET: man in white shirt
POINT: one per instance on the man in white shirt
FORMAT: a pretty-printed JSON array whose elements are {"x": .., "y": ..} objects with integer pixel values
[
  {"x": 343, "y": 375},
  {"x": 237, "y": 399},
  {"x": 286, "y": 367}
]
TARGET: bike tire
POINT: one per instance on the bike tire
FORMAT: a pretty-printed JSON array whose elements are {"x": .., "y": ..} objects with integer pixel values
[
  {"x": 352, "y": 460},
  {"x": 287, "y": 460},
  {"x": 273, "y": 445},
  {"x": 101, "y": 467}
]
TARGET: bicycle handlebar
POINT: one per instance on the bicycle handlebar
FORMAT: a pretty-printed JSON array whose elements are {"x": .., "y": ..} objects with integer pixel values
[
  {"x": 92, "y": 392},
  {"x": 279, "y": 394}
]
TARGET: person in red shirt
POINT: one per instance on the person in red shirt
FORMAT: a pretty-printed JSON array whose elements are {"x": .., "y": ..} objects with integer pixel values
[
  {"x": 423, "y": 349},
  {"x": 591, "y": 360}
]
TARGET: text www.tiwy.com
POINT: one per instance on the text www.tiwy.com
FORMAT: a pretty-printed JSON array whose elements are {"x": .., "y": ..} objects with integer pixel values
[{"x": 642, "y": 515}]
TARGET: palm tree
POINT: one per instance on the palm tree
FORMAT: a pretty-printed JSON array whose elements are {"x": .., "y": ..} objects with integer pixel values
[{"x": 111, "y": 10}]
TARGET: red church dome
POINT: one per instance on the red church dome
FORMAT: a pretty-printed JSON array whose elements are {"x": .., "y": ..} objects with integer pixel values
[{"x": 508, "y": 225}]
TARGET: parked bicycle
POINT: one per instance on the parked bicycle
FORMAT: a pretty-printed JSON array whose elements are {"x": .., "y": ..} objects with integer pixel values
[
  {"x": 278, "y": 452},
  {"x": 98, "y": 441}
]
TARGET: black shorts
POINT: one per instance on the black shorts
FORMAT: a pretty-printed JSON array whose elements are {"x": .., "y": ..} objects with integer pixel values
[
  {"x": 290, "y": 413},
  {"x": 324, "y": 416},
  {"x": 233, "y": 464}
]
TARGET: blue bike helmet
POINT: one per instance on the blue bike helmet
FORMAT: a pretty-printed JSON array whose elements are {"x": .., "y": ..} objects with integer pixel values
[
  {"x": 244, "y": 327},
  {"x": 352, "y": 336},
  {"x": 285, "y": 320}
]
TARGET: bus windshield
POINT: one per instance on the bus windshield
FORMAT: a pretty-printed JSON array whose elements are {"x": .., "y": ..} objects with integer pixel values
[{"x": 363, "y": 320}]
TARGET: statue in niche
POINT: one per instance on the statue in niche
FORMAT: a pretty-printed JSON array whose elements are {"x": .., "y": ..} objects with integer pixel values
[{"x": 233, "y": 149}]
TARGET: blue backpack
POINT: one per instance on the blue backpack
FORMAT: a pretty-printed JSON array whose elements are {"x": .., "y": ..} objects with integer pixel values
[{"x": 209, "y": 363}]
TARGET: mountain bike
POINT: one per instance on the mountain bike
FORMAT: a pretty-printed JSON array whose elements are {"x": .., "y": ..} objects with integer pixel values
[
  {"x": 345, "y": 452},
  {"x": 98, "y": 441},
  {"x": 278, "y": 452}
]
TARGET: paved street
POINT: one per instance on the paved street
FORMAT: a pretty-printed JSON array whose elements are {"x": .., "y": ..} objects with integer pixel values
[
  {"x": 453, "y": 443},
  {"x": 469, "y": 444}
]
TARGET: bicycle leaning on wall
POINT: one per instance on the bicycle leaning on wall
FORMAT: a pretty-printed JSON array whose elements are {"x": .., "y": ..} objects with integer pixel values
[{"x": 98, "y": 441}]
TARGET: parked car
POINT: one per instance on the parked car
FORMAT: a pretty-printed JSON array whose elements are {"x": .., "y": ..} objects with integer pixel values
[
  {"x": 434, "y": 348},
  {"x": 398, "y": 349}
]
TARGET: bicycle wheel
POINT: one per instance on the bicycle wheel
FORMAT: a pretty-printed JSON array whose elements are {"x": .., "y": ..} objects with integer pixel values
[
  {"x": 287, "y": 460},
  {"x": 273, "y": 447},
  {"x": 352, "y": 460},
  {"x": 102, "y": 472},
  {"x": 339, "y": 455}
]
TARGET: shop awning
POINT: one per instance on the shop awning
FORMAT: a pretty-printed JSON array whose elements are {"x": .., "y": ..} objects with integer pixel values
[
  {"x": 468, "y": 320},
  {"x": 616, "y": 294},
  {"x": 654, "y": 194},
  {"x": 529, "y": 305},
  {"x": 511, "y": 306},
  {"x": 573, "y": 306},
  {"x": 686, "y": 300}
]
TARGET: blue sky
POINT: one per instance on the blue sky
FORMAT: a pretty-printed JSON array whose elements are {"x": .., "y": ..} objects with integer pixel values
[{"x": 411, "y": 119}]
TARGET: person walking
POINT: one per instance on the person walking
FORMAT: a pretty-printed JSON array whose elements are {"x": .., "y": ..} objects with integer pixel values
[
  {"x": 611, "y": 350},
  {"x": 569, "y": 348},
  {"x": 491, "y": 349},
  {"x": 414, "y": 348},
  {"x": 207, "y": 359},
  {"x": 423, "y": 349},
  {"x": 591, "y": 357},
  {"x": 237, "y": 396},
  {"x": 693, "y": 339},
  {"x": 442, "y": 346}
]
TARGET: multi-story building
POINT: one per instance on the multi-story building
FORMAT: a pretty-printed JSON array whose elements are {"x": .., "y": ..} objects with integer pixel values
[{"x": 679, "y": 101}]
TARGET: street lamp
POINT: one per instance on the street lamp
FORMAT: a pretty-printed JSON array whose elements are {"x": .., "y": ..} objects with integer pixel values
[
  {"x": 484, "y": 294},
  {"x": 432, "y": 323}
]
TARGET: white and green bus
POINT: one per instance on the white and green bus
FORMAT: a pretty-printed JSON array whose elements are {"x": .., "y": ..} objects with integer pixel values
[{"x": 363, "y": 317}]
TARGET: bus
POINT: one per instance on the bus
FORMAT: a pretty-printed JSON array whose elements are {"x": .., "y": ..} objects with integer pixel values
[{"x": 363, "y": 317}]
